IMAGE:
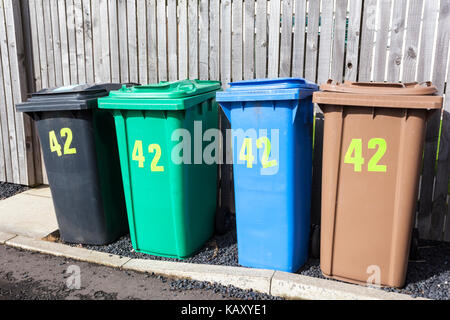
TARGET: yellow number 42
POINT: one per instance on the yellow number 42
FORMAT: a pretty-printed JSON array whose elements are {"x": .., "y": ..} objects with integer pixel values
[
  {"x": 354, "y": 155},
  {"x": 56, "y": 147},
  {"x": 248, "y": 156}
]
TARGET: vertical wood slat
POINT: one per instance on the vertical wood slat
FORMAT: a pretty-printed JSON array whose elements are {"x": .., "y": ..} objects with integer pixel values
[
  {"x": 286, "y": 39},
  {"x": 79, "y": 35},
  {"x": 396, "y": 45},
  {"x": 353, "y": 37},
  {"x": 214, "y": 40},
  {"x": 236, "y": 40},
  {"x": 298, "y": 55},
  {"x": 225, "y": 49},
  {"x": 114, "y": 41},
  {"x": 337, "y": 65},
  {"x": 7, "y": 156},
  {"x": 183, "y": 49},
  {"x": 97, "y": 41},
  {"x": 65, "y": 60},
  {"x": 274, "y": 38},
  {"x": 325, "y": 43},
  {"x": 8, "y": 94},
  {"x": 383, "y": 18},
  {"x": 367, "y": 36},
  {"x": 193, "y": 38},
  {"x": 152, "y": 42},
  {"x": 261, "y": 39},
  {"x": 88, "y": 49},
  {"x": 72, "y": 43},
  {"x": 56, "y": 40},
  {"x": 412, "y": 41},
  {"x": 49, "y": 43},
  {"x": 105, "y": 36},
  {"x": 123, "y": 40},
  {"x": 203, "y": 43},
  {"x": 132, "y": 42},
  {"x": 20, "y": 89},
  {"x": 312, "y": 45},
  {"x": 249, "y": 39},
  {"x": 430, "y": 16},
  {"x": 161, "y": 23},
  {"x": 141, "y": 21},
  {"x": 172, "y": 46}
]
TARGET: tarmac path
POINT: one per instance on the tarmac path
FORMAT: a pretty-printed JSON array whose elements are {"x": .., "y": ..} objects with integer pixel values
[{"x": 32, "y": 276}]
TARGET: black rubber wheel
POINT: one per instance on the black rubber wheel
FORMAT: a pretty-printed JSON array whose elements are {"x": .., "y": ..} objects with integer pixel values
[
  {"x": 221, "y": 214},
  {"x": 414, "y": 249},
  {"x": 315, "y": 242}
]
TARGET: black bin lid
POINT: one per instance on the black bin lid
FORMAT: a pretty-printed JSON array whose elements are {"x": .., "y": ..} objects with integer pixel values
[{"x": 73, "y": 97}]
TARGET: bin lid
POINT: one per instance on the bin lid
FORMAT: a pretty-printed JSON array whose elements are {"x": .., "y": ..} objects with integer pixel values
[
  {"x": 167, "y": 90},
  {"x": 411, "y": 95},
  {"x": 267, "y": 89},
  {"x": 386, "y": 88},
  {"x": 73, "y": 97}
]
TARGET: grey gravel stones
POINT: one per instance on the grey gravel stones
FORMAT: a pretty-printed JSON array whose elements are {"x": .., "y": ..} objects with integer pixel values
[{"x": 8, "y": 189}]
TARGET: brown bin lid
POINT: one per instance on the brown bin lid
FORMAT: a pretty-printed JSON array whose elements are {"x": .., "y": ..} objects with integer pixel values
[{"x": 379, "y": 94}]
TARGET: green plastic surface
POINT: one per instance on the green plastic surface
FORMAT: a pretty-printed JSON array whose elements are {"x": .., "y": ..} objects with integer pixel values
[{"x": 171, "y": 213}]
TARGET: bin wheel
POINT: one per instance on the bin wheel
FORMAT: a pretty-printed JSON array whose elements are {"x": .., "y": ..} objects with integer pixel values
[
  {"x": 414, "y": 249},
  {"x": 315, "y": 242},
  {"x": 221, "y": 214}
]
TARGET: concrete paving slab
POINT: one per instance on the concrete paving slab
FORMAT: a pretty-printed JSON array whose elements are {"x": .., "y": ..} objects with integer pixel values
[
  {"x": 59, "y": 249},
  {"x": 244, "y": 278},
  {"x": 294, "y": 286},
  {"x": 41, "y": 191},
  {"x": 28, "y": 215},
  {"x": 4, "y": 236}
]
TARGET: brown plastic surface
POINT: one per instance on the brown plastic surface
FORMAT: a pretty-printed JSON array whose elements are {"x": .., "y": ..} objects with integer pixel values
[
  {"x": 380, "y": 94},
  {"x": 367, "y": 216}
]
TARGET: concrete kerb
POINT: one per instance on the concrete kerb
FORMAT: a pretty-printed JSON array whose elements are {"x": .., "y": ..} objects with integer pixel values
[
  {"x": 4, "y": 236},
  {"x": 294, "y": 286},
  {"x": 256, "y": 279},
  {"x": 62, "y": 250},
  {"x": 288, "y": 285}
]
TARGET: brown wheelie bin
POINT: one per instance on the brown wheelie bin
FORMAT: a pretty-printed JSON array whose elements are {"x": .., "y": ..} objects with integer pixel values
[{"x": 372, "y": 155}]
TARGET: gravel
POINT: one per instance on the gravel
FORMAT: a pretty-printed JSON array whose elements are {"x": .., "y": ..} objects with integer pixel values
[
  {"x": 228, "y": 291},
  {"x": 8, "y": 189},
  {"x": 219, "y": 250}
]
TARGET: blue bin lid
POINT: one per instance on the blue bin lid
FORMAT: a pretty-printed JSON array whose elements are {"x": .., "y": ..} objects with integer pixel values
[{"x": 267, "y": 89}]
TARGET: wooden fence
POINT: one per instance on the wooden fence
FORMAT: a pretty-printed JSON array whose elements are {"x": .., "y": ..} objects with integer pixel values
[{"x": 65, "y": 42}]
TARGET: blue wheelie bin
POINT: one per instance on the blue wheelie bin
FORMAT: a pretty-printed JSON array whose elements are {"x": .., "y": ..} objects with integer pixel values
[{"x": 271, "y": 122}]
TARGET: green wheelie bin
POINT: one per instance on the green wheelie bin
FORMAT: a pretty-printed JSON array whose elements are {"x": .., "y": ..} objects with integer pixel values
[{"x": 170, "y": 191}]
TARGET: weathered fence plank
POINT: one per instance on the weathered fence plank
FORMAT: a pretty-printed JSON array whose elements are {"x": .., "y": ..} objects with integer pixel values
[
  {"x": 353, "y": 37},
  {"x": 274, "y": 39},
  {"x": 261, "y": 42},
  {"x": 326, "y": 41},
  {"x": 381, "y": 41},
  {"x": 298, "y": 55},
  {"x": 312, "y": 45},
  {"x": 337, "y": 64},
  {"x": 286, "y": 39},
  {"x": 249, "y": 39}
]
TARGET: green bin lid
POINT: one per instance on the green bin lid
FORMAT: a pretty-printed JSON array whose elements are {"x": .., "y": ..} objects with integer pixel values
[
  {"x": 167, "y": 90},
  {"x": 178, "y": 95}
]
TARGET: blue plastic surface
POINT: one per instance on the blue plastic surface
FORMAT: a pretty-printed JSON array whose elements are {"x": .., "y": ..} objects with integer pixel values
[{"x": 272, "y": 204}]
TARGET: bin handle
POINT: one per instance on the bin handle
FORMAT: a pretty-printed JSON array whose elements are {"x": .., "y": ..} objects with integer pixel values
[{"x": 188, "y": 88}]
